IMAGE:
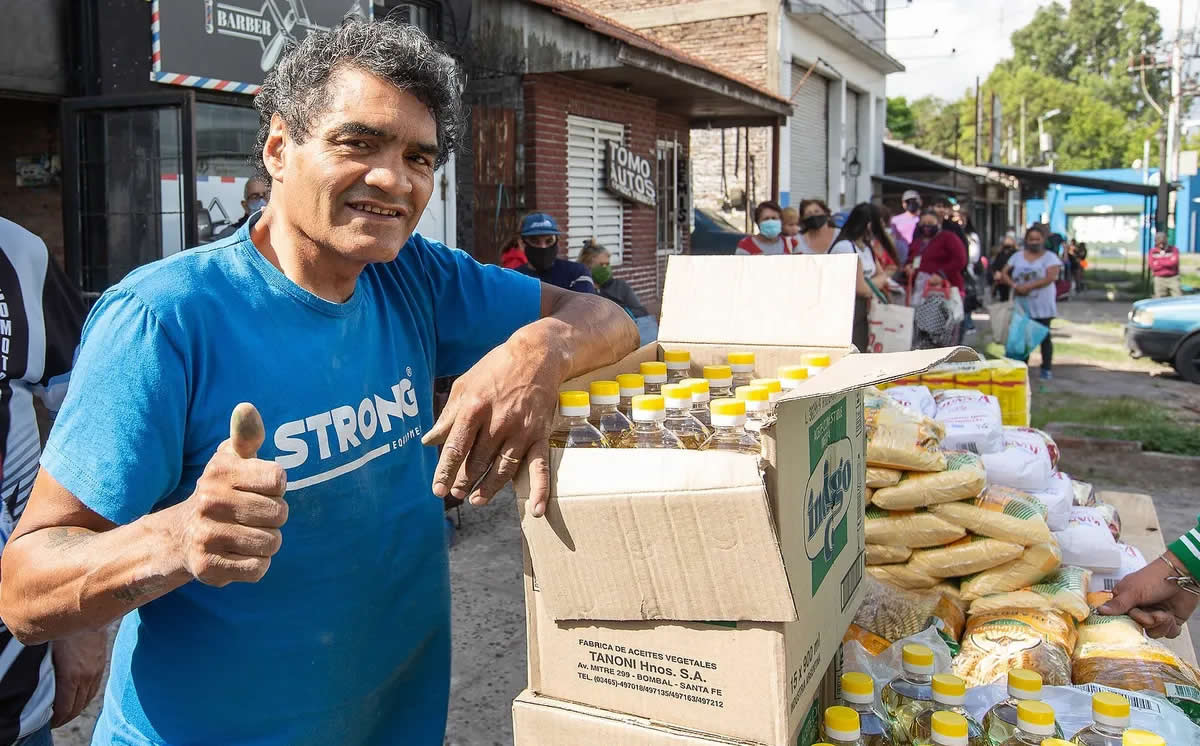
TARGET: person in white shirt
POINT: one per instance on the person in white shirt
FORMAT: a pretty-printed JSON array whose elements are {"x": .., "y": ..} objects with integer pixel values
[
  {"x": 863, "y": 226},
  {"x": 1032, "y": 274}
]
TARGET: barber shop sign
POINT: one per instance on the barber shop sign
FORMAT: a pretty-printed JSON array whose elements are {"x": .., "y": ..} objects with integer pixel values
[{"x": 629, "y": 175}]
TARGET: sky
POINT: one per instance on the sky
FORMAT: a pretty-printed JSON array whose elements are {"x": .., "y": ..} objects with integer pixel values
[{"x": 979, "y": 30}]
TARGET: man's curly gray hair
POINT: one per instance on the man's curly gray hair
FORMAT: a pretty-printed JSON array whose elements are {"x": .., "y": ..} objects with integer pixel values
[{"x": 298, "y": 88}]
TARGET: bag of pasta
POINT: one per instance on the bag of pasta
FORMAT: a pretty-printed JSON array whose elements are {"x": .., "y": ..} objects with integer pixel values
[
  {"x": 964, "y": 477},
  {"x": 893, "y": 613},
  {"x": 881, "y": 476},
  {"x": 1065, "y": 589},
  {"x": 998, "y": 641},
  {"x": 1113, "y": 651},
  {"x": 1037, "y": 562},
  {"x": 917, "y": 528},
  {"x": 1000, "y": 513},
  {"x": 882, "y": 554},
  {"x": 900, "y": 439},
  {"x": 901, "y": 576},
  {"x": 967, "y": 556}
]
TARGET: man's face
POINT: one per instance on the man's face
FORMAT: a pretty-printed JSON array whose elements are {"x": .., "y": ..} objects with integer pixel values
[
  {"x": 1160, "y": 240},
  {"x": 256, "y": 194},
  {"x": 913, "y": 205},
  {"x": 541, "y": 251},
  {"x": 942, "y": 210},
  {"x": 358, "y": 185}
]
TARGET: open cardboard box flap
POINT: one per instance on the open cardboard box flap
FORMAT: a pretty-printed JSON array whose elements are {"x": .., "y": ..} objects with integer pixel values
[
  {"x": 657, "y": 535},
  {"x": 858, "y": 371},
  {"x": 769, "y": 300}
]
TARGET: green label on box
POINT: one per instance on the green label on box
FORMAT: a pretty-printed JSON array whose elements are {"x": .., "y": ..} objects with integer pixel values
[
  {"x": 809, "y": 733},
  {"x": 830, "y": 486}
]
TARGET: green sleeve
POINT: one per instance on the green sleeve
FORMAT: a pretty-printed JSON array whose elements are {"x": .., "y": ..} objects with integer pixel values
[{"x": 1187, "y": 549}]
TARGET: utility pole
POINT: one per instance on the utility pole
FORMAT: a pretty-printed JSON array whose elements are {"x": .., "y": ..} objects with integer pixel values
[
  {"x": 978, "y": 122},
  {"x": 1172, "y": 170},
  {"x": 1021, "y": 152}
]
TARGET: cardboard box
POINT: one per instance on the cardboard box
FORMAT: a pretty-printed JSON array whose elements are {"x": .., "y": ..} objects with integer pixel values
[{"x": 743, "y": 573}]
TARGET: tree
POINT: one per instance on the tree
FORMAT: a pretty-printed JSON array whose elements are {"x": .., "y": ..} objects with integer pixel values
[{"x": 900, "y": 118}]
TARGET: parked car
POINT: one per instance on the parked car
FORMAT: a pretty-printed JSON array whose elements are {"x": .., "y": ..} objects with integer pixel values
[
  {"x": 1167, "y": 330},
  {"x": 713, "y": 234}
]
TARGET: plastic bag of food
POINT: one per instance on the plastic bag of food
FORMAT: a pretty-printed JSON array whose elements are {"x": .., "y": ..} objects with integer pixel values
[
  {"x": 1084, "y": 493},
  {"x": 901, "y": 576},
  {"x": 1114, "y": 651},
  {"x": 1111, "y": 517},
  {"x": 999, "y": 514},
  {"x": 1034, "y": 564},
  {"x": 1058, "y": 497},
  {"x": 973, "y": 421},
  {"x": 998, "y": 641},
  {"x": 1087, "y": 542},
  {"x": 882, "y": 554},
  {"x": 967, "y": 556},
  {"x": 1131, "y": 561},
  {"x": 916, "y": 398},
  {"x": 892, "y": 612},
  {"x": 872, "y": 643},
  {"x": 964, "y": 477},
  {"x": 1022, "y": 462},
  {"x": 1065, "y": 590},
  {"x": 900, "y": 439},
  {"x": 1037, "y": 437},
  {"x": 916, "y": 528},
  {"x": 880, "y": 476}
]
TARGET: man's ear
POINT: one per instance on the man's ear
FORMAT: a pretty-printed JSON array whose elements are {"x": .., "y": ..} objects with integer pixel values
[{"x": 275, "y": 150}]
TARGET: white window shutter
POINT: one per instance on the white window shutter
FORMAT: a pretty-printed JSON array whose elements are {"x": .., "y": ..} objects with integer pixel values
[{"x": 592, "y": 211}]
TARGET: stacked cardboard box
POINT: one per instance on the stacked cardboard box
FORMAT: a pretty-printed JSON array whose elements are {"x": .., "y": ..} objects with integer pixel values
[{"x": 684, "y": 597}]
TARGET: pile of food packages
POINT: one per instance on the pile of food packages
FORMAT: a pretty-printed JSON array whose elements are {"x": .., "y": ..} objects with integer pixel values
[{"x": 972, "y": 531}]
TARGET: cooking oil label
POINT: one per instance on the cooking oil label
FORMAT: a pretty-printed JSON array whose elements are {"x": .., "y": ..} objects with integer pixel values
[{"x": 830, "y": 487}]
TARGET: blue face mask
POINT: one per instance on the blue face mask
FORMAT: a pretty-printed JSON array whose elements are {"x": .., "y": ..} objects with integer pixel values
[
  {"x": 770, "y": 228},
  {"x": 255, "y": 205}
]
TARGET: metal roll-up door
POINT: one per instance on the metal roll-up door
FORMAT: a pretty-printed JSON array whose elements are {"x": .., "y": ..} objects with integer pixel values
[
  {"x": 809, "y": 136},
  {"x": 852, "y": 151}
]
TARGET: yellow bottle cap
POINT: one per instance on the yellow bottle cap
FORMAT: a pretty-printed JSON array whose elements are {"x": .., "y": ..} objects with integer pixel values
[
  {"x": 816, "y": 360},
  {"x": 631, "y": 384},
  {"x": 753, "y": 393},
  {"x": 1135, "y": 737},
  {"x": 1035, "y": 717},
  {"x": 841, "y": 724},
  {"x": 728, "y": 407},
  {"x": 949, "y": 724},
  {"x": 1024, "y": 684},
  {"x": 677, "y": 395},
  {"x": 793, "y": 372},
  {"x": 574, "y": 404},
  {"x": 605, "y": 392},
  {"x": 654, "y": 371},
  {"x": 698, "y": 386},
  {"x": 677, "y": 358},
  {"x": 772, "y": 384},
  {"x": 1056, "y": 742},
  {"x": 742, "y": 362},
  {"x": 649, "y": 403},
  {"x": 718, "y": 375},
  {"x": 858, "y": 688},
  {"x": 1109, "y": 708},
  {"x": 918, "y": 659},
  {"x": 949, "y": 689}
]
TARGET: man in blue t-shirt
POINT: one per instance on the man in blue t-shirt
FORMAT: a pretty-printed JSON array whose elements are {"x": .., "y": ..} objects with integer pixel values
[
  {"x": 288, "y": 584},
  {"x": 539, "y": 238}
]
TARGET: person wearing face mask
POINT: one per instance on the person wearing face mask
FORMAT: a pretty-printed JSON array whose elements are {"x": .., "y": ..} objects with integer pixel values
[
  {"x": 768, "y": 216},
  {"x": 539, "y": 238},
  {"x": 944, "y": 206},
  {"x": 935, "y": 250},
  {"x": 906, "y": 222},
  {"x": 254, "y": 198},
  {"x": 816, "y": 228},
  {"x": 597, "y": 259},
  {"x": 1008, "y": 247},
  {"x": 1031, "y": 274},
  {"x": 863, "y": 226}
]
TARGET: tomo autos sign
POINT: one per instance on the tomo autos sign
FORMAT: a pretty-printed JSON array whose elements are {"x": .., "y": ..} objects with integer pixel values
[
  {"x": 629, "y": 175},
  {"x": 230, "y": 45}
]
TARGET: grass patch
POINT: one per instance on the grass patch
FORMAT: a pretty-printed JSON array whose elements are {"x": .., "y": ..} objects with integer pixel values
[
  {"x": 1097, "y": 353},
  {"x": 1131, "y": 280},
  {"x": 1134, "y": 419}
]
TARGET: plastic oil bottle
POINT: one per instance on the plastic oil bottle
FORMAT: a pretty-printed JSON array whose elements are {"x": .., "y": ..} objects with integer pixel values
[
  {"x": 758, "y": 406},
  {"x": 1055, "y": 742},
  {"x": 720, "y": 381},
  {"x": 949, "y": 695},
  {"x": 629, "y": 385},
  {"x": 842, "y": 727},
  {"x": 649, "y": 414},
  {"x": 573, "y": 429},
  {"x": 905, "y": 696},
  {"x": 948, "y": 728},
  {"x": 729, "y": 428},
  {"x": 1110, "y": 718},
  {"x": 1001, "y": 721},
  {"x": 679, "y": 365},
  {"x": 791, "y": 376},
  {"x": 742, "y": 366},
  {"x": 700, "y": 399},
  {"x": 816, "y": 362},
  {"x": 1135, "y": 737},
  {"x": 858, "y": 693},
  {"x": 774, "y": 389},
  {"x": 654, "y": 374},
  {"x": 680, "y": 420},
  {"x": 605, "y": 417},
  {"x": 1035, "y": 723}
]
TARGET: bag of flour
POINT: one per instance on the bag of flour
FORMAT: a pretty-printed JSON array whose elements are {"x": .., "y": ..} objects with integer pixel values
[
  {"x": 1023, "y": 463},
  {"x": 1087, "y": 542},
  {"x": 916, "y": 398},
  {"x": 973, "y": 422}
]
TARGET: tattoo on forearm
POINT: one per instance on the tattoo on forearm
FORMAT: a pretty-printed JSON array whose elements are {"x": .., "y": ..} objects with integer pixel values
[
  {"x": 63, "y": 537},
  {"x": 140, "y": 589}
]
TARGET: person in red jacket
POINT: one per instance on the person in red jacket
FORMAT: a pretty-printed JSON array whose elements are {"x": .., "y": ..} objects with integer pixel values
[
  {"x": 936, "y": 250},
  {"x": 1164, "y": 265}
]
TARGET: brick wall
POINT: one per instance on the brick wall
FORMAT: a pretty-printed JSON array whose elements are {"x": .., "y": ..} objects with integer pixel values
[
  {"x": 548, "y": 100},
  {"x": 608, "y": 7},
  {"x": 737, "y": 44},
  {"x": 30, "y": 128}
]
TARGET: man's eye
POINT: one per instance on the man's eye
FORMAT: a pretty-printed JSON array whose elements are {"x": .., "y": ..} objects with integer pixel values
[
  {"x": 358, "y": 144},
  {"x": 421, "y": 159}
]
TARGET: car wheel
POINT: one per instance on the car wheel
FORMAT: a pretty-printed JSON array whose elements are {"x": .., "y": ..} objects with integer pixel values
[{"x": 1187, "y": 359}]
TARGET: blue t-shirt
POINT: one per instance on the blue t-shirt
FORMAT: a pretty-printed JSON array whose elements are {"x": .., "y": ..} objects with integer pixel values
[{"x": 346, "y": 639}]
